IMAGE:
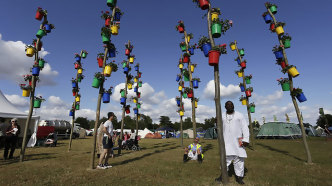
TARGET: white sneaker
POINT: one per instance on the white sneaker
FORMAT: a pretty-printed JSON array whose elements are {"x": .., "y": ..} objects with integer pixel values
[
  {"x": 101, "y": 166},
  {"x": 107, "y": 165}
]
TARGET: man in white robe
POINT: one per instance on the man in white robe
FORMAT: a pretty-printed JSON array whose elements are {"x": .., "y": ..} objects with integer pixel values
[{"x": 236, "y": 136}]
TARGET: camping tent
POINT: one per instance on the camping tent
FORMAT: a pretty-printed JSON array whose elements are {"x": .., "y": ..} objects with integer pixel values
[
  {"x": 9, "y": 111},
  {"x": 185, "y": 135},
  {"x": 211, "y": 133},
  {"x": 165, "y": 131},
  {"x": 279, "y": 130},
  {"x": 142, "y": 133},
  {"x": 190, "y": 132}
]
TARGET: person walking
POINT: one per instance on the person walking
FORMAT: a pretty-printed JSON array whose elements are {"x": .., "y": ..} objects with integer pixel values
[
  {"x": 12, "y": 133},
  {"x": 236, "y": 136},
  {"x": 107, "y": 142}
]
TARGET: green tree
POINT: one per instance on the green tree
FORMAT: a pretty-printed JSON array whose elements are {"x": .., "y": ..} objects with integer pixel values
[
  {"x": 91, "y": 124},
  {"x": 208, "y": 123},
  {"x": 187, "y": 124},
  {"x": 321, "y": 120},
  {"x": 84, "y": 122},
  {"x": 165, "y": 121},
  {"x": 145, "y": 122}
]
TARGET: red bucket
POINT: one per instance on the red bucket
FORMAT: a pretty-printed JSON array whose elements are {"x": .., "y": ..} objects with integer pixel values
[
  {"x": 107, "y": 22},
  {"x": 180, "y": 28},
  {"x": 248, "y": 93},
  {"x": 204, "y": 4},
  {"x": 39, "y": 16},
  {"x": 243, "y": 65},
  {"x": 186, "y": 59},
  {"x": 283, "y": 64},
  {"x": 213, "y": 57},
  {"x": 77, "y": 65},
  {"x": 100, "y": 62},
  {"x": 127, "y": 111},
  {"x": 127, "y": 52}
]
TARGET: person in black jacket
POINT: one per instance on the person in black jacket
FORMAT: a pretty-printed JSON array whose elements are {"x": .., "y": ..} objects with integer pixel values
[{"x": 12, "y": 133}]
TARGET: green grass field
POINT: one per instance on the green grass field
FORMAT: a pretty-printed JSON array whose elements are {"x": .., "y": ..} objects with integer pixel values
[{"x": 274, "y": 162}]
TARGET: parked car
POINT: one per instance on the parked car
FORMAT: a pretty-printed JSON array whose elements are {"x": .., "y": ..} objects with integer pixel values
[{"x": 89, "y": 132}]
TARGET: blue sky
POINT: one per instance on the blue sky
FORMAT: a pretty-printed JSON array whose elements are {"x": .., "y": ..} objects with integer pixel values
[{"x": 150, "y": 25}]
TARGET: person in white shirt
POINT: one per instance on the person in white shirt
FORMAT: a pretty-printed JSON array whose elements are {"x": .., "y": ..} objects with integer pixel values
[
  {"x": 107, "y": 142},
  {"x": 236, "y": 136}
]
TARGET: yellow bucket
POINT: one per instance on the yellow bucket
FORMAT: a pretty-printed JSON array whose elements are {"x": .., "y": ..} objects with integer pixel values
[
  {"x": 78, "y": 99},
  {"x": 192, "y": 68},
  {"x": 130, "y": 86},
  {"x": 180, "y": 66},
  {"x": 244, "y": 102},
  {"x": 293, "y": 72},
  {"x": 134, "y": 100},
  {"x": 188, "y": 39},
  {"x": 180, "y": 88},
  {"x": 214, "y": 16},
  {"x": 26, "y": 93},
  {"x": 240, "y": 74},
  {"x": 80, "y": 71},
  {"x": 135, "y": 80},
  {"x": 131, "y": 60},
  {"x": 181, "y": 113},
  {"x": 107, "y": 71},
  {"x": 30, "y": 52},
  {"x": 114, "y": 29},
  {"x": 195, "y": 104},
  {"x": 279, "y": 30},
  {"x": 138, "y": 117},
  {"x": 233, "y": 47}
]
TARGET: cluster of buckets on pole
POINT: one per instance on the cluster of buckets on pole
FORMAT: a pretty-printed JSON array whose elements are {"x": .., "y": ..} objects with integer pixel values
[
  {"x": 186, "y": 74},
  {"x": 33, "y": 51},
  {"x": 75, "y": 89}
]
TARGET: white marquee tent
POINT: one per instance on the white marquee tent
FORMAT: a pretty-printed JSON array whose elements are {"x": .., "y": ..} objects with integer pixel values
[{"x": 9, "y": 111}]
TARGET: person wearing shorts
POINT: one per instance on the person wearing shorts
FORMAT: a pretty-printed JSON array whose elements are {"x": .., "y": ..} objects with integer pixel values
[{"x": 107, "y": 142}]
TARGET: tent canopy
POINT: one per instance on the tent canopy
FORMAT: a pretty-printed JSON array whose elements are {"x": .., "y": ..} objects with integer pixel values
[
  {"x": 279, "y": 130},
  {"x": 211, "y": 133},
  {"x": 163, "y": 128}
]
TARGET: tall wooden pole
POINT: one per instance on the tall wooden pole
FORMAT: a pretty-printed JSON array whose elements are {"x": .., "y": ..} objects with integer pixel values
[
  {"x": 252, "y": 142},
  {"x": 74, "y": 112},
  {"x": 297, "y": 110},
  {"x": 193, "y": 112},
  {"x": 221, "y": 142},
  {"x": 32, "y": 98}
]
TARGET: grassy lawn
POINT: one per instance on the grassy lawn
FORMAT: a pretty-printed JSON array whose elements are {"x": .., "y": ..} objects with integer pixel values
[{"x": 274, "y": 162}]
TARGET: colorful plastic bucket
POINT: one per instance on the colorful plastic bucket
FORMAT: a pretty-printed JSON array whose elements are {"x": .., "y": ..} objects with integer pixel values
[
  {"x": 293, "y": 72},
  {"x": 71, "y": 113},
  {"x": 115, "y": 29},
  {"x": 25, "y": 93},
  {"x": 180, "y": 66},
  {"x": 178, "y": 102},
  {"x": 214, "y": 15},
  {"x": 248, "y": 81},
  {"x": 191, "y": 50},
  {"x": 233, "y": 47},
  {"x": 267, "y": 18},
  {"x": 279, "y": 54},
  {"x": 242, "y": 88},
  {"x": 248, "y": 93},
  {"x": 216, "y": 30},
  {"x": 183, "y": 48},
  {"x": 241, "y": 51},
  {"x": 106, "y": 97},
  {"x": 213, "y": 57},
  {"x": 107, "y": 71},
  {"x": 74, "y": 84},
  {"x": 35, "y": 71},
  {"x": 280, "y": 30},
  {"x": 286, "y": 43},
  {"x": 136, "y": 68},
  {"x": 135, "y": 111},
  {"x": 185, "y": 95},
  {"x": 252, "y": 109},
  {"x": 181, "y": 113},
  {"x": 204, "y": 4},
  {"x": 206, "y": 47},
  {"x": 30, "y": 52},
  {"x": 192, "y": 68},
  {"x": 301, "y": 97},
  {"x": 80, "y": 71},
  {"x": 195, "y": 83},
  {"x": 111, "y": 53},
  {"x": 77, "y": 107},
  {"x": 95, "y": 83},
  {"x": 47, "y": 28},
  {"x": 244, "y": 102},
  {"x": 122, "y": 93},
  {"x": 78, "y": 99},
  {"x": 36, "y": 103},
  {"x": 111, "y": 3},
  {"x": 273, "y": 9},
  {"x": 240, "y": 74},
  {"x": 122, "y": 101},
  {"x": 40, "y": 33},
  {"x": 105, "y": 38},
  {"x": 129, "y": 86},
  {"x": 178, "y": 78},
  {"x": 117, "y": 16},
  {"x": 131, "y": 60},
  {"x": 39, "y": 15},
  {"x": 125, "y": 70},
  {"x": 100, "y": 62},
  {"x": 186, "y": 78},
  {"x": 180, "y": 88},
  {"x": 285, "y": 86}
]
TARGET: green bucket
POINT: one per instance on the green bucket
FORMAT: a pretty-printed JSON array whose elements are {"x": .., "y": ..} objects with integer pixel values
[
  {"x": 77, "y": 107},
  {"x": 138, "y": 105},
  {"x": 139, "y": 84},
  {"x": 95, "y": 83},
  {"x": 216, "y": 30},
  {"x": 40, "y": 33},
  {"x": 36, "y": 103},
  {"x": 183, "y": 48},
  {"x": 79, "y": 79},
  {"x": 285, "y": 86},
  {"x": 122, "y": 94},
  {"x": 248, "y": 81},
  {"x": 241, "y": 51},
  {"x": 111, "y": 3},
  {"x": 106, "y": 38},
  {"x": 185, "y": 95},
  {"x": 252, "y": 109},
  {"x": 286, "y": 43},
  {"x": 124, "y": 65},
  {"x": 273, "y": 9},
  {"x": 83, "y": 55},
  {"x": 186, "y": 78},
  {"x": 41, "y": 63}
]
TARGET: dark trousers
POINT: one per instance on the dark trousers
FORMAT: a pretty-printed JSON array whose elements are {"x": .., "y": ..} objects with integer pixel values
[{"x": 10, "y": 143}]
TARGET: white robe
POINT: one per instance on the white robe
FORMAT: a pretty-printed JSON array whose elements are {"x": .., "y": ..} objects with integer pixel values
[{"x": 235, "y": 126}]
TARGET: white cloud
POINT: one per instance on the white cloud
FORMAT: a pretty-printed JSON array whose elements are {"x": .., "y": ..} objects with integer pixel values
[
  {"x": 56, "y": 101},
  {"x": 14, "y": 63},
  {"x": 267, "y": 100},
  {"x": 231, "y": 91},
  {"x": 17, "y": 100}
]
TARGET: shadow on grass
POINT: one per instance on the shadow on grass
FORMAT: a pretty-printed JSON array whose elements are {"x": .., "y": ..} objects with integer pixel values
[
  {"x": 30, "y": 157},
  {"x": 158, "y": 145},
  {"x": 145, "y": 155},
  {"x": 207, "y": 147},
  {"x": 279, "y": 151}
]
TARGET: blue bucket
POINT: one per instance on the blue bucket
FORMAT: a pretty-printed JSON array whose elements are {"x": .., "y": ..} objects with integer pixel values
[
  {"x": 78, "y": 58},
  {"x": 279, "y": 54},
  {"x": 136, "y": 68},
  {"x": 136, "y": 89},
  {"x": 238, "y": 61},
  {"x": 267, "y": 18},
  {"x": 191, "y": 51},
  {"x": 106, "y": 97},
  {"x": 178, "y": 102},
  {"x": 206, "y": 48},
  {"x": 301, "y": 97},
  {"x": 123, "y": 101},
  {"x": 117, "y": 16},
  {"x": 47, "y": 28},
  {"x": 125, "y": 70},
  {"x": 177, "y": 78},
  {"x": 74, "y": 84},
  {"x": 111, "y": 53},
  {"x": 195, "y": 84},
  {"x": 35, "y": 71},
  {"x": 242, "y": 88},
  {"x": 71, "y": 113},
  {"x": 135, "y": 111}
]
